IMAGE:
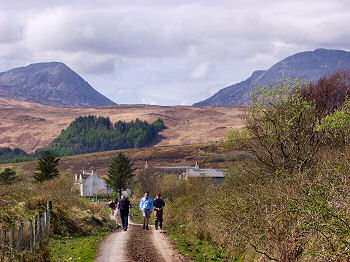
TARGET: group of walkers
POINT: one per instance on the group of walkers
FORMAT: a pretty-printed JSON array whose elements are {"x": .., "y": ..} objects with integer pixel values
[{"x": 146, "y": 205}]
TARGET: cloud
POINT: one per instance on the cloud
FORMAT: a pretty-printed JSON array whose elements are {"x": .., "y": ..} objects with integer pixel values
[
  {"x": 168, "y": 52},
  {"x": 200, "y": 71}
]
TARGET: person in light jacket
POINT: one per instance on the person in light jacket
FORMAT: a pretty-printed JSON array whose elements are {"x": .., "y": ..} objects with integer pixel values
[{"x": 146, "y": 205}]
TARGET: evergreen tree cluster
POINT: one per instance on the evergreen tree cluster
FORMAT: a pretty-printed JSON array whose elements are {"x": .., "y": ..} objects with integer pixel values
[
  {"x": 8, "y": 176},
  {"x": 13, "y": 155},
  {"x": 88, "y": 134}
]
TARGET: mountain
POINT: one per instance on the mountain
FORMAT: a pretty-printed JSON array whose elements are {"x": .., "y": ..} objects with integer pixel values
[
  {"x": 53, "y": 84},
  {"x": 310, "y": 65}
]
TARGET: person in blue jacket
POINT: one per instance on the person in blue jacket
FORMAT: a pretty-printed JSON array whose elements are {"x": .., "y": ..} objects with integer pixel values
[{"x": 146, "y": 205}]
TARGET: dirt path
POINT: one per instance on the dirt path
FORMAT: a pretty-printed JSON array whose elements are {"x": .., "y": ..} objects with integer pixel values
[
  {"x": 137, "y": 244},
  {"x": 168, "y": 251},
  {"x": 109, "y": 250}
]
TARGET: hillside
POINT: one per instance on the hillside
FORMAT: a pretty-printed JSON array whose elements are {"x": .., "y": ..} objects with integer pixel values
[
  {"x": 310, "y": 65},
  {"x": 185, "y": 155},
  {"x": 30, "y": 126},
  {"x": 53, "y": 84}
]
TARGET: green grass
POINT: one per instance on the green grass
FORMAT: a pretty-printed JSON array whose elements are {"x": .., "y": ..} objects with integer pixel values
[
  {"x": 196, "y": 249},
  {"x": 76, "y": 249}
]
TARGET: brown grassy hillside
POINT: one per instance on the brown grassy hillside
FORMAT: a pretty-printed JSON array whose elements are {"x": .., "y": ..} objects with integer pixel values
[
  {"x": 30, "y": 126},
  {"x": 185, "y": 155}
]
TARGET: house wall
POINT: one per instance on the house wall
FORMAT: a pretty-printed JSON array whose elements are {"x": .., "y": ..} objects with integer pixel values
[{"x": 94, "y": 185}]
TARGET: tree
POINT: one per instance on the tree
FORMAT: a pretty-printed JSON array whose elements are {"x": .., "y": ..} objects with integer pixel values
[
  {"x": 8, "y": 176},
  {"x": 120, "y": 173},
  {"x": 280, "y": 127},
  {"x": 47, "y": 165},
  {"x": 329, "y": 93}
]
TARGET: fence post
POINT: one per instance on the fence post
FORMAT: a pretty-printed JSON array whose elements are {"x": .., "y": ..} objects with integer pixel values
[
  {"x": 12, "y": 240},
  {"x": 49, "y": 214},
  {"x": 40, "y": 225},
  {"x": 31, "y": 236},
  {"x": 3, "y": 244},
  {"x": 19, "y": 238},
  {"x": 45, "y": 222},
  {"x": 35, "y": 231}
]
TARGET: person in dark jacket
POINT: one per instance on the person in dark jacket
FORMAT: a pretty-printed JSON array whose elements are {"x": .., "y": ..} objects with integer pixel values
[
  {"x": 158, "y": 204},
  {"x": 112, "y": 207},
  {"x": 124, "y": 208}
]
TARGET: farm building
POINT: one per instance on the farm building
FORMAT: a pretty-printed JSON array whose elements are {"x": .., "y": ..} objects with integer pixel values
[
  {"x": 91, "y": 184},
  {"x": 193, "y": 172},
  {"x": 217, "y": 175}
]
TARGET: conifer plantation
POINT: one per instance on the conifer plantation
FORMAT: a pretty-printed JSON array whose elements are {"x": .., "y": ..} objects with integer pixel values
[{"x": 88, "y": 134}]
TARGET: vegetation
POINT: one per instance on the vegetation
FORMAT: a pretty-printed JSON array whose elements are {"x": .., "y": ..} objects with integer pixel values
[
  {"x": 72, "y": 216},
  {"x": 95, "y": 134},
  {"x": 120, "y": 173},
  {"x": 8, "y": 176},
  {"x": 82, "y": 248},
  {"x": 13, "y": 155},
  {"x": 47, "y": 165},
  {"x": 289, "y": 201}
]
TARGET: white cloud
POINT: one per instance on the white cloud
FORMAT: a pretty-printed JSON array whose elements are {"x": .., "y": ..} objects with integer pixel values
[
  {"x": 200, "y": 71},
  {"x": 169, "y": 52}
]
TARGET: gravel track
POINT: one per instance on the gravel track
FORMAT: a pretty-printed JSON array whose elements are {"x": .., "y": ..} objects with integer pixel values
[
  {"x": 137, "y": 244},
  {"x": 140, "y": 246}
]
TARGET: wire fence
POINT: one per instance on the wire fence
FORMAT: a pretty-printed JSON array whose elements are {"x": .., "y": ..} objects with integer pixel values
[{"x": 26, "y": 236}]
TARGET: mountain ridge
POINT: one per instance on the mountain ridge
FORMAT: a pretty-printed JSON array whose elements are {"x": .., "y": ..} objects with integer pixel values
[
  {"x": 309, "y": 65},
  {"x": 52, "y": 84}
]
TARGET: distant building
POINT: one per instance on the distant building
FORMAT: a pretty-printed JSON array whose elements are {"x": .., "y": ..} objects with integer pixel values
[
  {"x": 217, "y": 175},
  {"x": 194, "y": 172},
  {"x": 90, "y": 184}
]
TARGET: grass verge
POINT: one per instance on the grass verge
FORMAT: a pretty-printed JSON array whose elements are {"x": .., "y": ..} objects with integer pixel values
[
  {"x": 196, "y": 249},
  {"x": 76, "y": 249}
]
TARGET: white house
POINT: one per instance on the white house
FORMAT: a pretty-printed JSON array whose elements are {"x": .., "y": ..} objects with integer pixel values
[{"x": 90, "y": 184}]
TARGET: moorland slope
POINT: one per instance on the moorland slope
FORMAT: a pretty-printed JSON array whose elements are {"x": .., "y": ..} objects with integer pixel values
[{"x": 30, "y": 126}]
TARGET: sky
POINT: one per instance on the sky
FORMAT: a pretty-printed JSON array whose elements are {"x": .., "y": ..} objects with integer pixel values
[{"x": 167, "y": 52}]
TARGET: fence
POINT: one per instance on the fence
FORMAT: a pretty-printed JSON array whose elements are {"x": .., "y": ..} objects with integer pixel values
[
  {"x": 26, "y": 236},
  {"x": 100, "y": 197}
]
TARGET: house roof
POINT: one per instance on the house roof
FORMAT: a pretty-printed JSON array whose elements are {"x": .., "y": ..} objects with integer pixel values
[
  {"x": 87, "y": 176},
  {"x": 174, "y": 169},
  {"x": 197, "y": 172}
]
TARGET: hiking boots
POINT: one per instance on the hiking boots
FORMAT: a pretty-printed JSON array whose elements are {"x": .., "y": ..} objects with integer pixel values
[
  {"x": 143, "y": 226},
  {"x": 147, "y": 227}
]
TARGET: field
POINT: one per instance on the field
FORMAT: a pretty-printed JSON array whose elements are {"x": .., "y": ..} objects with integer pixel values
[{"x": 30, "y": 126}]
